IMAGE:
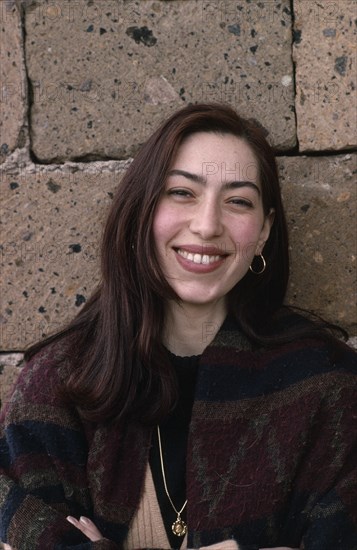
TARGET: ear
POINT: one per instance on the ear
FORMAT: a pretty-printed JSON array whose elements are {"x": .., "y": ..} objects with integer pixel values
[{"x": 265, "y": 232}]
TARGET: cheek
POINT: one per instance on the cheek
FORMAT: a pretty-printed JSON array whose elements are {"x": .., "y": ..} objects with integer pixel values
[
  {"x": 246, "y": 235},
  {"x": 162, "y": 225},
  {"x": 166, "y": 223},
  {"x": 246, "y": 238}
]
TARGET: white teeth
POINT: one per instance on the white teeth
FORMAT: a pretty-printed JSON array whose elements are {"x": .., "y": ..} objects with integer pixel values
[{"x": 198, "y": 258}]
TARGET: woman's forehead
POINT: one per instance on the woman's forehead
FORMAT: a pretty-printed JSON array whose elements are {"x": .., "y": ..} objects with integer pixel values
[{"x": 209, "y": 154}]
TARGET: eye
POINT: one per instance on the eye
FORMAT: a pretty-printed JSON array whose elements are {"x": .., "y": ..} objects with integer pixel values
[
  {"x": 179, "y": 192},
  {"x": 239, "y": 201}
]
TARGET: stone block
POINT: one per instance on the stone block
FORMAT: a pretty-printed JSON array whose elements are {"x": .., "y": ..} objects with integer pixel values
[
  {"x": 105, "y": 74},
  {"x": 13, "y": 108},
  {"x": 9, "y": 371},
  {"x": 325, "y": 57},
  {"x": 51, "y": 225},
  {"x": 320, "y": 196}
]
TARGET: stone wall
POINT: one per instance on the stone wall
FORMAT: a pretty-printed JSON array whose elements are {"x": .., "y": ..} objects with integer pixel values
[{"x": 84, "y": 83}]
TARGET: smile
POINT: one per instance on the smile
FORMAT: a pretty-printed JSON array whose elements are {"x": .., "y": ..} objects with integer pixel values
[{"x": 204, "y": 259}]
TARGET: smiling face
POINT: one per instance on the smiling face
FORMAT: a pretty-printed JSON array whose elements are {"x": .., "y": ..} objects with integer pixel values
[{"x": 209, "y": 221}]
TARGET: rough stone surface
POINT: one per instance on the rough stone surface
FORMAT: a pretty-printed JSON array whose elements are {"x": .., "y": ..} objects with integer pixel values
[
  {"x": 325, "y": 55},
  {"x": 319, "y": 196},
  {"x": 12, "y": 79},
  {"x": 104, "y": 74},
  {"x": 9, "y": 371},
  {"x": 51, "y": 225}
]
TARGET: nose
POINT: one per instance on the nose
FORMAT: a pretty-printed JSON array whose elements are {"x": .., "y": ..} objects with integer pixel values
[{"x": 206, "y": 220}]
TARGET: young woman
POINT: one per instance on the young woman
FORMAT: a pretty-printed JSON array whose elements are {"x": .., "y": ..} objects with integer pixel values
[{"x": 185, "y": 406}]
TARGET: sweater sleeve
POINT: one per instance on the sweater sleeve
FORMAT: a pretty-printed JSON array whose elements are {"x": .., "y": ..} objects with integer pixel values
[
  {"x": 332, "y": 518},
  {"x": 331, "y": 515},
  {"x": 330, "y": 527},
  {"x": 42, "y": 466}
]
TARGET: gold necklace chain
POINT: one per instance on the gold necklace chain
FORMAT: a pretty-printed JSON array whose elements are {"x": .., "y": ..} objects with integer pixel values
[{"x": 179, "y": 527}]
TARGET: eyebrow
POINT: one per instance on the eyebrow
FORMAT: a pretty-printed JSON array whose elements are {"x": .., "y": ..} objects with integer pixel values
[{"x": 201, "y": 180}]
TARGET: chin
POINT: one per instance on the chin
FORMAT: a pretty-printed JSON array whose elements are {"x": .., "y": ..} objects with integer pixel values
[{"x": 198, "y": 298}]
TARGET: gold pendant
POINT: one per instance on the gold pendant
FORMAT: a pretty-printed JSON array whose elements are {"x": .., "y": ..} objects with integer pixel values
[{"x": 179, "y": 527}]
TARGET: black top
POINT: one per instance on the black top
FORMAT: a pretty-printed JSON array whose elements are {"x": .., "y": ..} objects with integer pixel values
[{"x": 174, "y": 434}]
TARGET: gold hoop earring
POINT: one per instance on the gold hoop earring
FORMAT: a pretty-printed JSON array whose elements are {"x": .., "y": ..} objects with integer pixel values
[{"x": 262, "y": 269}]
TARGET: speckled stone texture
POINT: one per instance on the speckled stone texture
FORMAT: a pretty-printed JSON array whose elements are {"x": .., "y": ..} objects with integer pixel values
[
  {"x": 325, "y": 55},
  {"x": 104, "y": 74},
  {"x": 9, "y": 371},
  {"x": 51, "y": 226},
  {"x": 320, "y": 201},
  {"x": 12, "y": 79}
]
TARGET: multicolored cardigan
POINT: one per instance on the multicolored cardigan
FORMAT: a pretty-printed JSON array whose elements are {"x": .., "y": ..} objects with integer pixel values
[{"x": 271, "y": 461}]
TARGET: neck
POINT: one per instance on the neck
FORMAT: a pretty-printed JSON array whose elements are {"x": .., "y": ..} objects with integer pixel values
[{"x": 189, "y": 329}]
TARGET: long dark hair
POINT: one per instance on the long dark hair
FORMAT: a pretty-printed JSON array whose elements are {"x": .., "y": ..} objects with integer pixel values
[{"x": 120, "y": 367}]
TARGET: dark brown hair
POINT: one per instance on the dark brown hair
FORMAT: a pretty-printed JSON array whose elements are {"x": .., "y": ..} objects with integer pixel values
[{"x": 120, "y": 366}]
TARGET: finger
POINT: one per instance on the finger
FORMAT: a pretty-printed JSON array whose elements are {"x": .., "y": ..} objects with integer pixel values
[
  {"x": 224, "y": 545},
  {"x": 87, "y": 527}
]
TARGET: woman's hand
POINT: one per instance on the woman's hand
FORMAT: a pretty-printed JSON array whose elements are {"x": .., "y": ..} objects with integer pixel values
[
  {"x": 84, "y": 524},
  {"x": 224, "y": 545},
  {"x": 232, "y": 545},
  {"x": 87, "y": 527}
]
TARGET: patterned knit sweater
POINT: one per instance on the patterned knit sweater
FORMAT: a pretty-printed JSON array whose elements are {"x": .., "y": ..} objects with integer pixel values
[{"x": 271, "y": 455}]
